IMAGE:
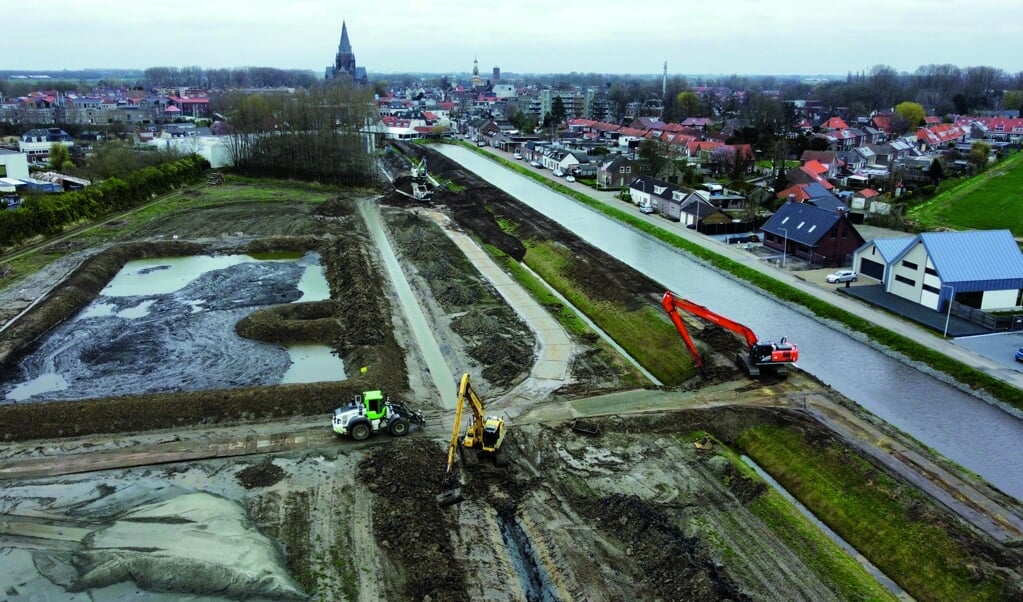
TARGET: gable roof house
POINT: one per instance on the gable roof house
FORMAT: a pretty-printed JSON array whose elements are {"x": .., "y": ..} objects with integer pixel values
[
  {"x": 614, "y": 172},
  {"x": 942, "y": 134},
  {"x": 982, "y": 269},
  {"x": 697, "y": 212},
  {"x": 820, "y": 236}
]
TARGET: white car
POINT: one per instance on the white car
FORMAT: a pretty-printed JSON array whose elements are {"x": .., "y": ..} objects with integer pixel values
[
  {"x": 517, "y": 155},
  {"x": 841, "y": 276},
  {"x": 570, "y": 178},
  {"x": 558, "y": 173}
]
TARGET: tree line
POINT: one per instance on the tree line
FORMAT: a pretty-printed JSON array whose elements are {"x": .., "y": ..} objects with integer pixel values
[
  {"x": 228, "y": 78},
  {"x": 47, "y": 214},
  {"x": 319, "y": 134}
]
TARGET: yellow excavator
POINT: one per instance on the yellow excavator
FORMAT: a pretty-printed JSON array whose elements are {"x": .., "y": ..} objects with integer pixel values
[{"x": 485, "y": 435}]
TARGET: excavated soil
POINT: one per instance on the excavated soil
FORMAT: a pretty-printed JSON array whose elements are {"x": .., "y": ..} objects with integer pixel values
[{"x": 633, "y": 512}]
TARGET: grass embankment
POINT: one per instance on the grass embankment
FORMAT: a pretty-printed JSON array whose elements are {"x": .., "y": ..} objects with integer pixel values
[
  {"x": 849, "y": 578},
  {"x": 987, "y": 201},
  {"x": 959, "y": 371},
  {"x": 893, "y": 526},
  {"x": 643, "y": 332}
]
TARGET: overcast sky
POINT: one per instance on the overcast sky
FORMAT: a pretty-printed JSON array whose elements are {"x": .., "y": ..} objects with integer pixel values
[{"x": 521, "y": 36}]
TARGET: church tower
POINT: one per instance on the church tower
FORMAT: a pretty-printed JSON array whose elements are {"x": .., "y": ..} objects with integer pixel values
[
  {"x": 344, "y": 61},
  {"x": 477, "y": 81}
]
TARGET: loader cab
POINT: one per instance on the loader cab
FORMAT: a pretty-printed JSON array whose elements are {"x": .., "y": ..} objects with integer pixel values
[{"x": 374, "y": 402}]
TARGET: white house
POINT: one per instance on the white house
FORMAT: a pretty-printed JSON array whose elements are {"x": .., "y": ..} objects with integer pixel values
[{"x": 978, "y": 268}]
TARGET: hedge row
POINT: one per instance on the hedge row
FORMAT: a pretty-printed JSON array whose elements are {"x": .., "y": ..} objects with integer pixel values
[{"x": 45, "y": 214}]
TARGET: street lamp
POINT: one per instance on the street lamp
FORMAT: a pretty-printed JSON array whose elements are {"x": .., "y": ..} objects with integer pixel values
[
  {"x": 948, "y": 316},
  {"x": 785, "y": 247}
]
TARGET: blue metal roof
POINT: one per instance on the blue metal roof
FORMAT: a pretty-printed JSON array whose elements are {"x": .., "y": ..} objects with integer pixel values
[
  {"x": 976, "y": 256},
  {"x": 890, "y": 248}
]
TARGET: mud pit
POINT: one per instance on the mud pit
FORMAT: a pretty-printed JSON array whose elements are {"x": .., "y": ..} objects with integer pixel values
[{"x": 636, "y": 513}]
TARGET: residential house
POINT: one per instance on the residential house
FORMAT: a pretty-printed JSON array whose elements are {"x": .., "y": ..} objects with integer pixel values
[
  {"x": 615, "y": 172},
  {"x": 808, "y": 174},
  {"x": 36, "y": 143},
  {"x": 982, "y": 269},
  {"x": 828, "y": 159},
  {"x": 698, "y": 213},
  {"x": 940, "y": 135},
  {"x": 822, "y": 237}
]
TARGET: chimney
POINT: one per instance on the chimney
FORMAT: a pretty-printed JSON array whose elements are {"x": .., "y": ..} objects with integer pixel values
[{"x": 792, "y": 197}]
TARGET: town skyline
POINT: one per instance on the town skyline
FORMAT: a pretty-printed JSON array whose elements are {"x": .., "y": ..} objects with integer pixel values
[{"x": 774, "y": 37}]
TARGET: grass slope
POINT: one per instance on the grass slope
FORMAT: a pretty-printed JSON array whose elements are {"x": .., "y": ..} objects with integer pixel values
[{"x": 987, "y": 201}]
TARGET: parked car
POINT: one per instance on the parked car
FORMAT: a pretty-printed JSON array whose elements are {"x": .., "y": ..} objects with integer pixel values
[
  {"x": 558, "y": 172},
  {"x": 647, "y": 209},
  {"x": 570, "y": 178},
  {"x": 481, "y": 143},
  {"x": 1019, "y": 354},
  {"x": 841, "y": 276},
  {"x": 535, "y": 164},
  {"x": 517, "y": 155}
]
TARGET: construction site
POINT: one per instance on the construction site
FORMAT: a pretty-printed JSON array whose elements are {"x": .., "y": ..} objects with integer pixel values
[{"x": 585, "y": 480}]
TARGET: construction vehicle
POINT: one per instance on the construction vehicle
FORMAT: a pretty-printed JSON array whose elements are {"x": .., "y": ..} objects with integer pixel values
[
  {"x": 760, "y": 356},
  {"x": 371, "y": 412},
  {"x": 420, "y": 180},
  {"x": 485, "y": 434}
]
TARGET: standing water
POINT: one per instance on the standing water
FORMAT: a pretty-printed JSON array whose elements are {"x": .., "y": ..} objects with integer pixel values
[{"x": 167, "y": 324}]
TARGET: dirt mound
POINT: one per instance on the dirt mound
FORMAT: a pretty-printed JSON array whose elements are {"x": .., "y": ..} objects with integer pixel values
[
  {"x": 264, "y": 474},
  {"x": 406, "y": 477},
  {"x": 310, "y": 322},
  {"x": 677, "y": 567}
]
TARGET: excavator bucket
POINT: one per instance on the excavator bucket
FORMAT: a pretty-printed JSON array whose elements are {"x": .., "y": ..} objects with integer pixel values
[{"x": 450, "y": 497}]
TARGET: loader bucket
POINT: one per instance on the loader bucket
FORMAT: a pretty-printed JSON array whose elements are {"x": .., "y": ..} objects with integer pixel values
[{"x": 450, "y": 497}]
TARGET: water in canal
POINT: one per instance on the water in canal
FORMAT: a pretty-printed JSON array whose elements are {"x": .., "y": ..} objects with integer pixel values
[{"x": 961, "y": 427}]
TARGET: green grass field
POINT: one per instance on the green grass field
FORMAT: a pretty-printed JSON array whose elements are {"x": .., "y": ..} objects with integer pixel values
[{"x": 992, "y": 200}]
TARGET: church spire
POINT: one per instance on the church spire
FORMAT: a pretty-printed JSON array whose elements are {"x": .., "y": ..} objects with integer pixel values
[{"x": 345, "y": 47}]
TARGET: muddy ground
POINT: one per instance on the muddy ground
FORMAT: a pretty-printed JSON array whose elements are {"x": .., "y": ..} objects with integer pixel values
[{"x": 630, "y": 509}]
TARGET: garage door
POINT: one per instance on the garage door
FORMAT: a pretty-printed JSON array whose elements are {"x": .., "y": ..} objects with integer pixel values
[{"x": 872, "y": 269}]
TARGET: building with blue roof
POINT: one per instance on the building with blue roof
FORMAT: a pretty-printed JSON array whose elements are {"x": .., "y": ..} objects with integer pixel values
[
  {"x": 982, "y": 269},
  {"x": 821, "y": 236}
]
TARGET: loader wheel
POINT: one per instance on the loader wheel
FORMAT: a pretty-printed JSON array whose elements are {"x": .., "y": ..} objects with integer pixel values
[
  {"x": 399, "y": 428},
  {"x": 360, "y": 431}
]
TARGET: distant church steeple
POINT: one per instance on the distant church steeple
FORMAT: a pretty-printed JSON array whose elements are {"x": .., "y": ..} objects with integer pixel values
[
  {"x": 477, "y": 81},
  {"x": 344, "y": 61}
]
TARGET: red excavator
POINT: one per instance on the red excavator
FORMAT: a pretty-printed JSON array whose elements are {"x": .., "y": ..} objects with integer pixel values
[{"x": 760, "y": 356}]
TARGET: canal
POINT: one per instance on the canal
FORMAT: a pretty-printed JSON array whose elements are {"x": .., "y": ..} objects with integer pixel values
[{"x": 961, "y": 427}]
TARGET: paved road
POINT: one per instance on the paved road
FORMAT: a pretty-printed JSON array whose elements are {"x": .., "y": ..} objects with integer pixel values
[{"x": 810, "y": 282}]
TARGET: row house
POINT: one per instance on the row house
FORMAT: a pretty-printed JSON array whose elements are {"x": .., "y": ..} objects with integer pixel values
[
  {"x": 939, "y": 135},
  {"x": 999, "y": 128}
]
